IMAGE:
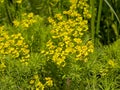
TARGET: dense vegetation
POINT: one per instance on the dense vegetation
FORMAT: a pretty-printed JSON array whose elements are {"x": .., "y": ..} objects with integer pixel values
[{"x": 59, "y": 45}]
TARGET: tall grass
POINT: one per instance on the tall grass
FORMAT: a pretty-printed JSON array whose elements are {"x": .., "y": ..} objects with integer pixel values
[{"x": 98, "y": 21}]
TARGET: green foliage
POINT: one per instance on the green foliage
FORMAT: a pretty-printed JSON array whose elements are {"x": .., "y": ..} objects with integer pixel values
[
  {"x": 106, "y": 28},
  {"x": 46, "y": 45}
]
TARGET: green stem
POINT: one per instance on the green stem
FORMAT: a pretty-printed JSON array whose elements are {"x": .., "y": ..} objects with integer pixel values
[
  {"x": 92, "y": 2},
  {"x": 98, "y": 19}
]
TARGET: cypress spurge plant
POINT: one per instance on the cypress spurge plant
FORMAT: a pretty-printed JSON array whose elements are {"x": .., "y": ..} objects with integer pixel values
[
  {"x": 67, "y": 35},
  {"x": 67, "y": 46},
  {"x": 13, "y": 45}
]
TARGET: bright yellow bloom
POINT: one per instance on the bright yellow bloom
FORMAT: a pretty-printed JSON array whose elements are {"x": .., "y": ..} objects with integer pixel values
[
  {"x": 39, "y": 86},
  {"x": 1, "y": 38},
  {"x": 19, "y": 42},
  {"x": 49, "y": 81},
  {"x": 32, "y": 81},
  {"x": 67, "y": 34},
  {"x": 77, "y": 40},
  {"x": 112, "y": 63},
  {"x": 36, "y": 76},
  {"x": 30, "y": 15},
  {"x": 59, "y": 16},
  {"x": 16, "y": 23},
  {"x": 2, "y": 65},
  {"x": 19, "y": 1},
  {"x": 1, "y": 1},
  {"x": 26, "y": 25},
  {"x": 12, "y": 44}
]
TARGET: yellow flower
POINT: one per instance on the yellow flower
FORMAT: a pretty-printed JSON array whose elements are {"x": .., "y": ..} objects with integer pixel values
[
  {"x": 11, "y": 41},
  {"x": 2, "y": 65},
  {"x": 31, "y": 21},
  {"x": 2, "y": 51},
  {"x": 7, "y": 44},
  {"x": 51, "y": 52},
  {"x": 19, "y": 43},
  {"x": 36, "y": 76},
  {"x": 67, "y": 34},
  {"x": 49, "y": 81},
  {"x": 1, "y": 38},
  {"x": 1, "y": 1},
  {"x": 43, "y": 51},
  {"x": 84, "y": 48},
  {"x": 86, "y": 59},
  {"x": 16, "y": 23},
  {"x": 112, "y": 63},
  {"x": 77, "y": 40},
  {"x": 24, "y": 14},
  {"x": 25, "y": 63},
  {"x": 26, "y": 51},
  {"x": 27, "y": 56},
  {"x": 26, "y": 25},
  {"x": 22, "y": 60},
  {"x": 30, "y": 15},
  {"x": 1, "y": 47},
  {"x": 58, "y": 16},
  {"x": 32, "y": 81},
  {"x": 25, "y": 46},
  {"x": 39, "y": 86},
  {"x": 6, "y": 36},
  {"x": 51, "y": 20},
  {"x": 19, "y": 1}
]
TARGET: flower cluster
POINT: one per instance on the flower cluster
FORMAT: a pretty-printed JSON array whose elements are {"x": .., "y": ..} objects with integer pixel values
[
  {"x": 13, "y": 45},
  {"x": 36, "y": 84},
  {"x": 83, "y": 6},
  {"x": 67, "y": 34},
  {"x": 49, "y": 81},
  {"x": 26, "y": 21}
]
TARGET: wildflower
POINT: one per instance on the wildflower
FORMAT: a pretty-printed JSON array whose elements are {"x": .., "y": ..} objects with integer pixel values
[
  {"x": 51, "y": 20},
  {"x": 32, "y": 81},
  {"x": 6, "y": 36},
  {"x": 16, "y": 23},
  {"x": 2, "y": 65},
  {"x": 1, "y": 1},
  {"x": 67, "y": 34},
  {"x": 19, "y": 42},
  {"x": 111, "y": 63},
  {"x": 27, "y": 56},
  {"x": 58, "y": 16},
  {"x": 24, "y": 14},
  {"x": 25, "y": 24},
  {"x": 30, "y": 15},
  {"x": 1, "y": 47},
  {"x": 19, "y": 1},
  {"x": 86, "y": 59},
  {"x": 39, "y": 86},
  {"x": 36, "y": 76},
  {"x": 49, "y": 81},
  {"x": 12, "y": 44},
  {"x": 77, "y": 40}
]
